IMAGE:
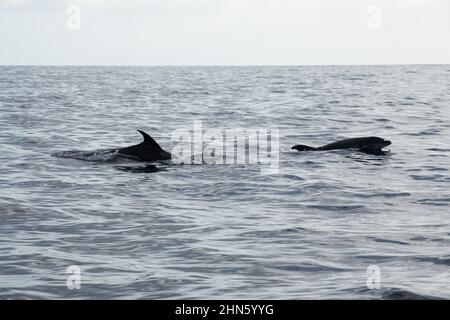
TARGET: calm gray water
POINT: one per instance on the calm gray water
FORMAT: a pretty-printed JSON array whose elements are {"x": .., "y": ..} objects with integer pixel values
[{"x": 225, "y": 231}]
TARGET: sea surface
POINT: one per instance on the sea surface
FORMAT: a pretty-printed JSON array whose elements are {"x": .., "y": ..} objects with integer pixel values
[{"x": 324, "y": 226}]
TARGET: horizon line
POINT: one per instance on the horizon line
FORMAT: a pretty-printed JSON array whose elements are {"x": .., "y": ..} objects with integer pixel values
[{"x": 220, "y": 65}]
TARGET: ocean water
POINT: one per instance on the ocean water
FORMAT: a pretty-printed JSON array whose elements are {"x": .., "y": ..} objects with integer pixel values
[{"x": 161, "y": 230}]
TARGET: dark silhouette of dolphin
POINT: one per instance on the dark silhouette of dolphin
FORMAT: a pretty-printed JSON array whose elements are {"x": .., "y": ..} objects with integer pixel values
[
  {"x": 148, "y": 150},
  {"x": 370, "y": 145}
]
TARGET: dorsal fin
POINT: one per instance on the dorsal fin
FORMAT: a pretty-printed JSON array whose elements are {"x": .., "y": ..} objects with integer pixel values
[{"x": 149, "y": 140}]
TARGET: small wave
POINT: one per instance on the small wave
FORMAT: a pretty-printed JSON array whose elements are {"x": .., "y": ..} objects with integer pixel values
[
  {"x": 292, "y": 177},
  {"x": 96, "y": 156},
  {"x": 336, "y": 207},
  {"x": 436, "y": 178},
  {"x": 382, "y": 120},
  {"x": 394, "y": 294},
  {"x": 434, "y": 202},
  {"x": 437, "y": 169},
  {"x": 438, "y": 149},
  {"x": 380, "y": 194},
  {"x": 428, "y": 132},
  {"x": 308, "y": 268},
  {"x": 401, "y": 294},
  {"x": 287, "y": 232},
  {"x": 355, "y": 78},
  {"x": 419, "y": 238},
  {"x": 390, "y": 241},
  {"x": 139, "y": 169},
  {"x": 440, "y": 261}
]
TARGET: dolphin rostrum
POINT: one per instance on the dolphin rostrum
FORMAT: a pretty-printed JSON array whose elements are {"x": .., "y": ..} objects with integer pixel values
[
  {"x": 148, "y": 150},
  {"x": 371, "y": 145}
]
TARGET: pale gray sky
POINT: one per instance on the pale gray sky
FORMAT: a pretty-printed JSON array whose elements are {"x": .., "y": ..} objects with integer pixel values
[{"x": 225, "y": 32}]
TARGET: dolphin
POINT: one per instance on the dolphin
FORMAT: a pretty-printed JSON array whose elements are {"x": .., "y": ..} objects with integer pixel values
[
  {"x": 148, "y": 150},
  {"x": 370, "y": 145}
]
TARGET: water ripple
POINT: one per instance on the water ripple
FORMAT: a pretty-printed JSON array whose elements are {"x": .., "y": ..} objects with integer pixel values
[{"x": 160, "y": 230}]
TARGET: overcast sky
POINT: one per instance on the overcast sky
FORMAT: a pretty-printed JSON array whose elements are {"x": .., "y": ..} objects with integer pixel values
[{"x": 224, "y": 32}]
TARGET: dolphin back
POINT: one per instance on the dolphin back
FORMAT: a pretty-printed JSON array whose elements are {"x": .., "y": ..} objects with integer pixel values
[
  {"x": 302, "y": 147},
  {"x": 352, "y": 143}
]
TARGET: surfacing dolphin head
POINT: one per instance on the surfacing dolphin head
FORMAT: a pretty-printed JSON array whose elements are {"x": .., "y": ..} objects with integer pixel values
[
  {"x": 376, "y": 143},
  {"x": 148, "y": 150}
]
